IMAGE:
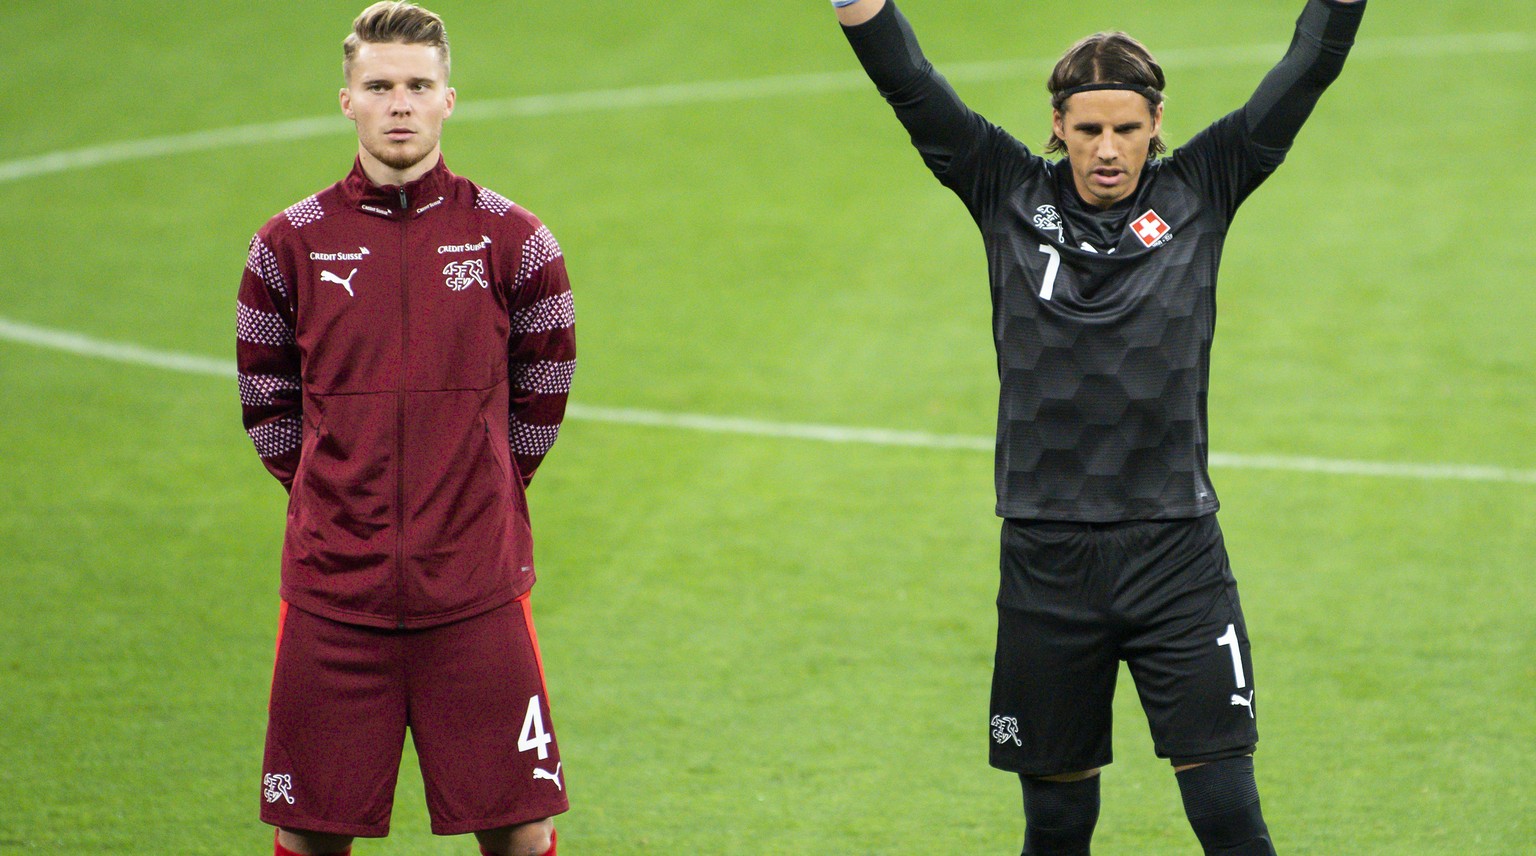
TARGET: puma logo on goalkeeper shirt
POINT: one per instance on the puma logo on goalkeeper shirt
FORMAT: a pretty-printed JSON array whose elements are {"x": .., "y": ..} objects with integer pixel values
[
  {"x": 1245, "y": 702},
  {"x": 327, "y": 276}
]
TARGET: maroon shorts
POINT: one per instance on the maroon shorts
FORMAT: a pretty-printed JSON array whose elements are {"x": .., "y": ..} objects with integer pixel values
[{"x": 472, "y": 694}]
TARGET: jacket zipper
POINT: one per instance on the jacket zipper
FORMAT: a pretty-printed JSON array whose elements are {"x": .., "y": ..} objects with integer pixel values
[{"x": 405, "y": 305}]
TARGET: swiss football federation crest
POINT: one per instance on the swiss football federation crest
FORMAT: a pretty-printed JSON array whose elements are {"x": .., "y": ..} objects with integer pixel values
[
  {"x": 461, "y": 275},
  {"x": 1150, "y": 229},
  {"x": 277, "y": 787},
  {"x": 1048, "y": 220},
  {"x": 1006, "y": 728}
]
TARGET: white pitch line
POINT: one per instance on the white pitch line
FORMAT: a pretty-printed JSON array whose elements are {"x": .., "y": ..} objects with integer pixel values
[
  {"x": 85, "y": 346},
  {"x": 780, "y": 430},
  {"x": 676, "y": 94}
]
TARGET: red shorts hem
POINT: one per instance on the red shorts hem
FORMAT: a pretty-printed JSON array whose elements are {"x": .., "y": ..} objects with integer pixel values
[
  {"x": 329, "y": 827},
  {"x": 514, "y": 818}
]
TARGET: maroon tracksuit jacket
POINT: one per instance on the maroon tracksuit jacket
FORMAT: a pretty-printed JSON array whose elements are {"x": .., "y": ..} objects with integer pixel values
[{"x": 405, "y": 354}]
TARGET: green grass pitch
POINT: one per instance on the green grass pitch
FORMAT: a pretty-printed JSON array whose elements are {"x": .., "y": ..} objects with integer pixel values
[{"x": 758, "y": 644}]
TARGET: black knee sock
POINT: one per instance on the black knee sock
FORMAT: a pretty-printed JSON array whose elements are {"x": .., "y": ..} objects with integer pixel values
[
  {"x": 1059, "y": 816},
  {"x": 1222, "y": 801}
]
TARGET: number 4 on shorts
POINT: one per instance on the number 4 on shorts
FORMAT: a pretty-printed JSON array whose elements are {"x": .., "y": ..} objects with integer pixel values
[{"x": 534, "y": 736}]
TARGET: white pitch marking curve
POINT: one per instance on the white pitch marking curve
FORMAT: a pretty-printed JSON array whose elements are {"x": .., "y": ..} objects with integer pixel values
[
  {"x": 719, "y": 91},
  {"x": 86, "y": 346}
]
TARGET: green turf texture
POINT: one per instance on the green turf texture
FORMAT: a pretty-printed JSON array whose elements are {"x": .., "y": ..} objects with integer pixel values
[{"x": 776, "y": 646}]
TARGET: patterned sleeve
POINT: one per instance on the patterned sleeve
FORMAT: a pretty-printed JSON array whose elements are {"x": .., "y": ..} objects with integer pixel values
[
  {"x": 268, "y": 359},
  {"x": 541, "y": 349}
]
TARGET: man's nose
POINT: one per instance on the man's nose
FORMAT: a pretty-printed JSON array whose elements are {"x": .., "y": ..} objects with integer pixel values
[
  {"x": 1106, "y": 150},
  {"x": 399, "y": 102}
]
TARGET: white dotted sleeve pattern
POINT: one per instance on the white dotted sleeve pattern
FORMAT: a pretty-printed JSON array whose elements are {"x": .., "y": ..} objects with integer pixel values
[
  {"x": 533, "y": 441},
  {"x": 278, "y": 438},
  {"x": 540, "y": 249},
  {"x": 490, "y": 200},
  {"x": 263, "y": 262},
  {"x": 545, "y": 377},
  {"x": 541, "y": 351},
  {"x": 268, "y": 390},
  {"x": 262, "y": 328},
  {"x": 304, "y": 212},
  {"x": 552, "y": 313},
  {"x": 267, "y": 354}
]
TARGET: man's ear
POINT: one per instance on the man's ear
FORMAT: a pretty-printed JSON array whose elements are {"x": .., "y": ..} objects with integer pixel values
[{"x": 346, "y": 103}]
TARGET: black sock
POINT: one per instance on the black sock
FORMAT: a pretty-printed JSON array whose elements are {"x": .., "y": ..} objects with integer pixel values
[
  {"x": 1059, "y": 816},
  {"x": 1222, "y": 802}
]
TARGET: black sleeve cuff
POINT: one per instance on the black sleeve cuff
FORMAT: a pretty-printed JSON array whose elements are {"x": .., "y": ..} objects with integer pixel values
[{"x": 1331, "y": 22}]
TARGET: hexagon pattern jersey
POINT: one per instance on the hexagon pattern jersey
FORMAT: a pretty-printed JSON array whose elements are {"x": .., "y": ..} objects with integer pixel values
[
  {"x": 1103, "y": 323},
  {"x": 1103, "y": 318}
]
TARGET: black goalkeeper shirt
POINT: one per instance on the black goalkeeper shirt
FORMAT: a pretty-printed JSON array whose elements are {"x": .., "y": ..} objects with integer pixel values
[{"x": 1103, "y": 319}]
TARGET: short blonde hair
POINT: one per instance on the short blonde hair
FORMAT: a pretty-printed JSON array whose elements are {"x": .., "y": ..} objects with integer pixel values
[{"x": 395, "y": 21}]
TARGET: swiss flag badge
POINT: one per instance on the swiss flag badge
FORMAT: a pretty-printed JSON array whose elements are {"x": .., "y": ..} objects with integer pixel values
[{"x": 1149, "y": 228}]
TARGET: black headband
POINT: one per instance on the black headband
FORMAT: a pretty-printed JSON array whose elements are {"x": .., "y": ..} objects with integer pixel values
[{"x": 1144, "y": 91}]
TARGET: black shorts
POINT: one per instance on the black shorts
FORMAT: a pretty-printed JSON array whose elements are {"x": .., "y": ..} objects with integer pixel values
[{"x": 1077, "y": 598}]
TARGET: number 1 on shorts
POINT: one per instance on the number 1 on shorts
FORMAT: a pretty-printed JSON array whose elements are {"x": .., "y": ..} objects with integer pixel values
[
  {"x": 534, "y": 736},
  {"x": 1230, "y": 638}
]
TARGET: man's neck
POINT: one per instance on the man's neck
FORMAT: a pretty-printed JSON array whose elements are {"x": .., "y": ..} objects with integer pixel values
[{"x": 384, "y": 175}]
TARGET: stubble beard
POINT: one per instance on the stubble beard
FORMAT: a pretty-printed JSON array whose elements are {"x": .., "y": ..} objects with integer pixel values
[{"x": 399, "y": 158}]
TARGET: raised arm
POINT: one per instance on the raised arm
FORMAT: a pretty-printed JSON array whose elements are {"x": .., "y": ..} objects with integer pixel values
[
  {"x": 1238, "y": 152},
  {"x": 952, "y": 139},
  {"x": 968, "y": 154},
  {"x": 1324, "y": 34}
]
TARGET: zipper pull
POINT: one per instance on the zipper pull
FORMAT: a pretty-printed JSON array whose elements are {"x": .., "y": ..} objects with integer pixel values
[{"x": 404, "y": 203}]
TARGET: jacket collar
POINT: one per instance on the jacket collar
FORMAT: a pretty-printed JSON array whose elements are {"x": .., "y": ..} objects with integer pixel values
[{"x": 397, "y": 201}]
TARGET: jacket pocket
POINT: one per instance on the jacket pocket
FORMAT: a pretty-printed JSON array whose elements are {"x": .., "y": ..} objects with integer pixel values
[
  {"x": 500, "y": 452},
  {"x": 342, "y": 507},
  {"x": 313, "y": 427}
]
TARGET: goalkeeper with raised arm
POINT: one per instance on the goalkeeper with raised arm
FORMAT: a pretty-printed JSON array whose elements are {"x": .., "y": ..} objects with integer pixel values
[{"x": 1103, "y": 269}]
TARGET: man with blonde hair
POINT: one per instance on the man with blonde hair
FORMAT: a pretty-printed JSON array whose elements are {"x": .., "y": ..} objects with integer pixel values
[
  {"x": 1102, "y": 269},
  {"x": 405, "y": 345}
]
